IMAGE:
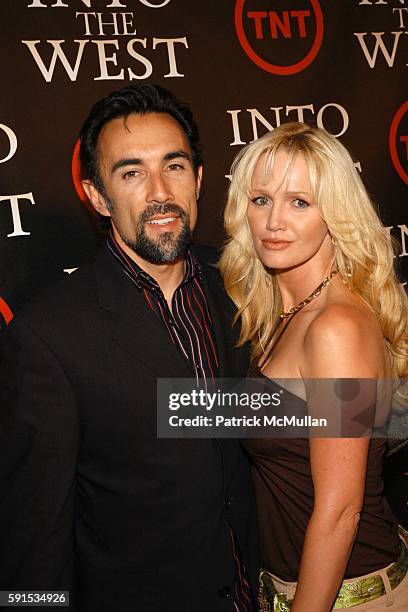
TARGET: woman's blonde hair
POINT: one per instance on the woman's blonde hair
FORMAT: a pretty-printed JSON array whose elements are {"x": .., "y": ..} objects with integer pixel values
[{"x": 363, "y": 249}]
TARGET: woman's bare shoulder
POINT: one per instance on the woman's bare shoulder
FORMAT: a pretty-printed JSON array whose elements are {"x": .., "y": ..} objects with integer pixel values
[{"x": 344, "y": 339}]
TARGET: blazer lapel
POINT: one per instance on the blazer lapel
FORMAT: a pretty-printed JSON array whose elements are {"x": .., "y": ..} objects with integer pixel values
[
  {"x": 138, "y": 330},
  {"x": 218, "y": 321},
  {"x": 233, "y": 362}
]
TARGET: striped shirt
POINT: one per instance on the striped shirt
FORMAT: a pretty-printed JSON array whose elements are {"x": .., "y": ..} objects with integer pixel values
[
  {"x": 190, "y": 328},
  {"x": 189, "y": 323}
]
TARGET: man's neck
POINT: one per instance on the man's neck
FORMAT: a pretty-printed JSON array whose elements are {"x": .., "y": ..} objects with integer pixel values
[{"x": 168, "y": 276}]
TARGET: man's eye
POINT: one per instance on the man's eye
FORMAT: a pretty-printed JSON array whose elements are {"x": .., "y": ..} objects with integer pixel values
[
  {"x": 260, "y": 201},
  {"x": 298, "y": 203},
  {"x": 175, "y": 167},
  {"x": 130, "y": 174}
]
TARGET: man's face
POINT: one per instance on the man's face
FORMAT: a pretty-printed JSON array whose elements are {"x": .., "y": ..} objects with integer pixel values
[{"x": 150, "y": 186}]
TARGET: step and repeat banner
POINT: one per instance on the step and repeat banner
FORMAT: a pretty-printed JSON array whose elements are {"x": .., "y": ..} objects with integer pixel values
[{"x": 244, "y": 66}]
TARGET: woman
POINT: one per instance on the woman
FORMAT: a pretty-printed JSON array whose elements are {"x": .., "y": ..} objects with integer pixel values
[{"x": 310, "y": 268}]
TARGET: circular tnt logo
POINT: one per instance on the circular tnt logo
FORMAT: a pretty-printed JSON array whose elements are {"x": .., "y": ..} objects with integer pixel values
[
  {"x": 280, "y": 37},
  {"x": 6, "y": 313},
  {"x": 398, "y": 142}
]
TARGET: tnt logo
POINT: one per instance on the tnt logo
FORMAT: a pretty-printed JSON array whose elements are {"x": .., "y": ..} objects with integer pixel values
[
  {"x": 398, "y": 142},
  {"x": 278, "y": 38},
  {"x": 5, "y": 313}
]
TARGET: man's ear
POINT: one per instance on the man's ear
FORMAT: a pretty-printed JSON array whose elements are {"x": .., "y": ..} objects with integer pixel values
[
  {"x": 96, "y": 199},
  {"x": 198, "y": 181}
]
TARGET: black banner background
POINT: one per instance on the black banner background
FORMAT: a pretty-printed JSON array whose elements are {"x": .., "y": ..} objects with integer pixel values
[{"x": 349, "y": 88}]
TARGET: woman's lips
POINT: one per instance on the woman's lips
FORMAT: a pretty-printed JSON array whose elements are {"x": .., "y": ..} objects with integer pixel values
[{"x": 275, "y": 245}]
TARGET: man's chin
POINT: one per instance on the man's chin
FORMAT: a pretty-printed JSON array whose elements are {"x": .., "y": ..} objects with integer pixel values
[{"x": 167, "y": 250}]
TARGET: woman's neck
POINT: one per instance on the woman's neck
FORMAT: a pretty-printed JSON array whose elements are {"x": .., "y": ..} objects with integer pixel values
[{"x": 298, "y": 283}]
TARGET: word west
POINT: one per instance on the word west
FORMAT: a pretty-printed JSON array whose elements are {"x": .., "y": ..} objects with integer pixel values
[
  {"x": 107, "y": 57},
  {"x": 14, "y": 200},
  {"x": 384, "y": 45},
  {"x": 291, "y": 23}
]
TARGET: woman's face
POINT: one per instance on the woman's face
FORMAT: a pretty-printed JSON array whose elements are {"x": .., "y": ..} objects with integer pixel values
[{"x": 285, "y": 224}]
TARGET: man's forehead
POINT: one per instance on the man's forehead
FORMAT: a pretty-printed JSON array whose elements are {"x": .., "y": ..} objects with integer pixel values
[{"x": 142, "y": 132}]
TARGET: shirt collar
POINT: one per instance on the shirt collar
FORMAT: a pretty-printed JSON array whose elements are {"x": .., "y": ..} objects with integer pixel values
[{"x": 141, "y": 278}]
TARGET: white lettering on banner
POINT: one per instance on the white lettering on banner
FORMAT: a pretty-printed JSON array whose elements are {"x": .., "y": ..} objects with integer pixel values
[
  {"x": 61, "y": 4},
  {"x": 148, "y": 65},
  {"x": 15, "y": 211},
  {"x": 152, "y": 5},
  {"x": 170, "y": 42},
  {"x": 12, "y": 140},
  {"x": 401, "y": 12},
  {"x": 258, "y": 118},
  {"x": 343, "y": 113},
  {"x": 88, "y": 4},
  {"x": 235, "y": 127},
  {"x": 404, "y": 233},
  {"x": 104, "y": 58},
  {"x": 58, "y": 53},
  {"x": 121, "y": 22},
  {"x": 379, "y": 45},
  {"x": 372, "y": 2}
]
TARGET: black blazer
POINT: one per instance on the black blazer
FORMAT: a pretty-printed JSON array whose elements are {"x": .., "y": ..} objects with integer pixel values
[{"x": 91, "y": 500}]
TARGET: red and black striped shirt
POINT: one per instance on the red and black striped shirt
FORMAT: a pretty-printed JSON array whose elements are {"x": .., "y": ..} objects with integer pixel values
[{"x": 189, "y": 321}]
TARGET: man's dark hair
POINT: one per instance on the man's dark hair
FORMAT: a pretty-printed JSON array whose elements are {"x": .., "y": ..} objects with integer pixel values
[{"x": 135, "y": 99}]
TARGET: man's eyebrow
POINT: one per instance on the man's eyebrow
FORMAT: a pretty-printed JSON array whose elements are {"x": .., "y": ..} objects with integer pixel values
[
  {"x": 131, "y": 161},
  {"x": 135, "y": 161},
  {"x": 176, "y": 154}
]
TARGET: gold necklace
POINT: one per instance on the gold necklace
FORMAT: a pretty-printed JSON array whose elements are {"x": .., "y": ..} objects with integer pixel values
[{"x": 306, "y": 301}]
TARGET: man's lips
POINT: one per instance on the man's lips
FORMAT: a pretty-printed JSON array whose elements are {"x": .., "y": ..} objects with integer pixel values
[
  {"x": 273, "y": 244},
  {"x": 162, "y": 219}
]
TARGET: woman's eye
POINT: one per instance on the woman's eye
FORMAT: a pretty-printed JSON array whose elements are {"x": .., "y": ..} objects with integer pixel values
[
  {"x": 298, "y": 203},
  {"x": 260, "y": 201}
]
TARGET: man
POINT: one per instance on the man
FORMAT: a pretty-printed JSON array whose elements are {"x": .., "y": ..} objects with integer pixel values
[{"x": 92, "y": 501}]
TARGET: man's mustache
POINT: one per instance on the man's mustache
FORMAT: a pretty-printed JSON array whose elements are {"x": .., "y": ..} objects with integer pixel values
[{"x": 161, "y": 209}]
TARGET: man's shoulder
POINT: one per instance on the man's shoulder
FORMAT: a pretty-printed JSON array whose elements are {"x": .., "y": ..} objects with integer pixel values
[
  {"x": 74, "y": 297},
  {"x": 79, "y": 285}
]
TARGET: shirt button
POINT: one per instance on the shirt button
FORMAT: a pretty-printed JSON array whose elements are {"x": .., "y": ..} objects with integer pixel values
[{"x": 224, "y": 592}]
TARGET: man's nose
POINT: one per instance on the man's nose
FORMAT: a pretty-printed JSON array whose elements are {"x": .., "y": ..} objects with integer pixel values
[{"x": 159, "y": 189}]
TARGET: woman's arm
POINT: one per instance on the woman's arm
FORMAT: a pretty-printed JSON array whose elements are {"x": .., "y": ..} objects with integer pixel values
[{"x": 333, "y": 348}]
